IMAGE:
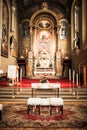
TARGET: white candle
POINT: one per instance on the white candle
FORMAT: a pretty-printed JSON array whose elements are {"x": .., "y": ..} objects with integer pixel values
[
  {"x": 20, "y": 73},
  {"x": 17, "y": 76},
  {"x": 77, "y": 79},
  {"x": 73, "y": 76},
  {"x": 69, "y": 74}
]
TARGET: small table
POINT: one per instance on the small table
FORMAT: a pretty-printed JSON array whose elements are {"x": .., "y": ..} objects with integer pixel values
[{"x": 44, "y": 86}]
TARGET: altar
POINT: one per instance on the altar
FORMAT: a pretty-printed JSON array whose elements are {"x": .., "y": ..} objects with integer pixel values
[
  {"x": 44, "y": 71},
  {"x": 44, "y": 64},
  {"x": 45, "y": 86}
]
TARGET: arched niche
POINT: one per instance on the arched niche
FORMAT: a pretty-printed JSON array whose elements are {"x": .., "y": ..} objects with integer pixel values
[
  {"x": 44, "y": 34},
  {"x": 75, "y": 26},
  {"x": 44, "y": 42},
  {"x": 64, "y": 29},
  {"x": 24, "y": 38},
  {"x": 25, "y": 29}
]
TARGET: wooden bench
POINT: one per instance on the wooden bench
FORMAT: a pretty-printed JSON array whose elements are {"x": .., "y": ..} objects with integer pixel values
[{"x": 51, "y": 102}]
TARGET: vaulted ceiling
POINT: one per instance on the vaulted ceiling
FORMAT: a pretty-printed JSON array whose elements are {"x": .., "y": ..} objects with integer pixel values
[{"x": 28, "y": 7}]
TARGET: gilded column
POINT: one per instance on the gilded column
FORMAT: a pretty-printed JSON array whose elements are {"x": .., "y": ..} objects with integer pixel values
[
  {"x": 31, "y": 38},
  {"x": 30, "y": 64},
  {"x": 58, "y": 56},
  {"x": 30, "y": 55}
]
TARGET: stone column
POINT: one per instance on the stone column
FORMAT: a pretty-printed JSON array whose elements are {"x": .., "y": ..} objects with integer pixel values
[
  {"x": 84, "y": 23},
  {"x": 58, "y": 27},
  {"x": 0, "y": 27},
  {"x": 13, "y": 16},
  {"x": 58, "y": 56},
  {"x": 30, "y": 55},
  {"x": 58, "y": 63},
  {"x": 30, "y": 64},
  {"x": 31, "y": 37}
]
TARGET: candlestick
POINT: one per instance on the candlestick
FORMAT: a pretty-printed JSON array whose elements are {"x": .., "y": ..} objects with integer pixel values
[
  {"x": 21, "y": 74},
  {"x": 77, "y": 79},
  {"x": 69, "y": 74},
  {"x": 17, "y": 76},
  {"x": 21, "y": 79},
  {"x": 73, "y": 76},
  {"x": 73, "y": 81},
  {"x": 77, "y": 82}
]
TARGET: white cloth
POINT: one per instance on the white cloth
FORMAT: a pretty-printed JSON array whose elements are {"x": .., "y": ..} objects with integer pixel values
[
  {"x": 44, "y": 102},
  {"x": 12, "y": 71},
  {"x": 1, "y": 71},
  {"x": 56, "y": 101},
  {"x": 0, "y": 106},
  {"x": 45, "y": 85},
  {"x": 33, "y": 101}
]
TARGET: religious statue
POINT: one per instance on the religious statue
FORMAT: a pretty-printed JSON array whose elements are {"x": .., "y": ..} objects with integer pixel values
[{"x": 12, "y": 42}]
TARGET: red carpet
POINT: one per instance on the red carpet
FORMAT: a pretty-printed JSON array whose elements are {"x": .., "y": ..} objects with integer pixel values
[
  {"x": 27, "y": 82},
  {"x": 15, "y": 116},
  {"x": 64, "y": 82}
]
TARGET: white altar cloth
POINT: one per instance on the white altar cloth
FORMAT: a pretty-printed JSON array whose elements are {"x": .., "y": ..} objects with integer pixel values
[
  {"x": 12, "y": 71},
  {"x": 46, "y": 85},
  {"x": 1, "y": 71}
]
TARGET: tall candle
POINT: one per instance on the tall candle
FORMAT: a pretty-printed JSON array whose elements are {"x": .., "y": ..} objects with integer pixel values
[
  {"x": 69, "y": 74},
  {"x": 17, "y": 76},
  {"x": 20, "y": 73},
  {"x": 77, "y": 80},
  {"x": 73, "y": 76}
]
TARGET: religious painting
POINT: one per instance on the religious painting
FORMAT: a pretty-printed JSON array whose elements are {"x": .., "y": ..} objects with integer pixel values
[
  {"x": 4, "y": 48},
  {"x": 4, "y": 41}
]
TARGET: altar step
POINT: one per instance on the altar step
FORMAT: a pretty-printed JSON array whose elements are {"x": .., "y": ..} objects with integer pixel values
[{"x": 22, "y": 94}]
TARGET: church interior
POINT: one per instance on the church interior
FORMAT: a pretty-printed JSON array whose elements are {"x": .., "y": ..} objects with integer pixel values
[{"x": 43, "y": 39}]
